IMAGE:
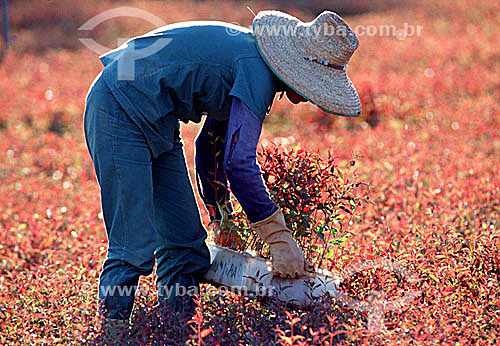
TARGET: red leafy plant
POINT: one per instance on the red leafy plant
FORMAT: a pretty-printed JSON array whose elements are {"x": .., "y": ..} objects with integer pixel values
[
  {"x": 431, "y": 160},
  {"x": 318, "y": 200}
]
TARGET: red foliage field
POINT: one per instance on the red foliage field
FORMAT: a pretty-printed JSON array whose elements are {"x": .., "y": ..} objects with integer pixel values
[{"x": 428, "y": 145}]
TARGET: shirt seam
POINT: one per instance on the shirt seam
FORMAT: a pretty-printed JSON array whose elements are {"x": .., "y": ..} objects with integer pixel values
[{"x": 245, "y": 57}]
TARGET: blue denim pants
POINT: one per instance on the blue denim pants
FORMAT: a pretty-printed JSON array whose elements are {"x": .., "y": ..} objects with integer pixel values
[{"x": 149, "y": 209}]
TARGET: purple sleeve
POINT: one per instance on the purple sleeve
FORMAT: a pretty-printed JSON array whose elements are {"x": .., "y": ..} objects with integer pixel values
[{"x": 240, "y": 162}]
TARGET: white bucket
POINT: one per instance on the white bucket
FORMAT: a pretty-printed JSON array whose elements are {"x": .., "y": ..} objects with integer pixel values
[{"x": 244, "y": 273}]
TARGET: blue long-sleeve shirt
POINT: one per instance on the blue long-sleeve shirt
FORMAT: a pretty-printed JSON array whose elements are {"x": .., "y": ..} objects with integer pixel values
[
  {"x": 183, "y": 70},
  {"x": 226, "y": 151}
]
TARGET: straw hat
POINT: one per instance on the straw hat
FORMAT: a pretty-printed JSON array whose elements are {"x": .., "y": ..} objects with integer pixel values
[{"x": 311, "y": 58}]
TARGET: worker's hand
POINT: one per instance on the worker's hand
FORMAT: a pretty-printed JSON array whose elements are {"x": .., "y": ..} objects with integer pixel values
[{"x": 287, "y": 257}]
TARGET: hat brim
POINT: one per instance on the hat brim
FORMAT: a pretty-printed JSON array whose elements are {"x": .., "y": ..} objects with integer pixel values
[{"x": 328, "y": 88}]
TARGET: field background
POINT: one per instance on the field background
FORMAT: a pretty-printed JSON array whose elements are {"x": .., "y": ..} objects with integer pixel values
[{"x": 428, "y": 144}]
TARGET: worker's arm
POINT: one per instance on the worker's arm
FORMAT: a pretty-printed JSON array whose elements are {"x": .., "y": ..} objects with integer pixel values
[
  {"x": 244, "y": 175},
  {"x": 240, "y": 162},
  {"x": 221, "y": 149},
  {"x": 209, "y": 157}
]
